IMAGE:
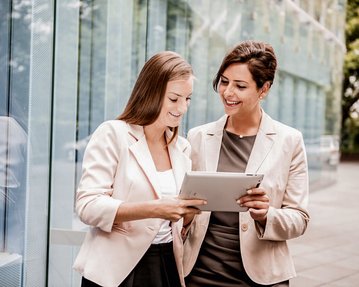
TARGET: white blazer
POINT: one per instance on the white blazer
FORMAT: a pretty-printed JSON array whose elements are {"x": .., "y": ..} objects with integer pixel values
[
  {"x": 279, "y": 154},
  {"x": 118, "y": 167}
]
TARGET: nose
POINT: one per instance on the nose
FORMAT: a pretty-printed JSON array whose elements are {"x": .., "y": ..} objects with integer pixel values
[
  {"x": 228, "y": 91},
  {"x": 183, "y": 106}
]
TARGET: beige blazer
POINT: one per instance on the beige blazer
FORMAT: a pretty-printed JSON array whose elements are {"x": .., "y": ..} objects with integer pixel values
[
  {"x": 279, "y": 154},
  {"x": 118, "y": 167}
]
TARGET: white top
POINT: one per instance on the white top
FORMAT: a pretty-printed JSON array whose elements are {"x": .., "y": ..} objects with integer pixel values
[{"x": 168, "y": 189}]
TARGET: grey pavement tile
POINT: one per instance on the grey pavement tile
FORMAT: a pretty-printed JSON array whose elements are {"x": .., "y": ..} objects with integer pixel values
[
  {"x": 327, "y": 273},
  {"x": 334, "y": 242},
  {"x": 301, "y": 248},
  {"x": 331, "y": 255},
  {"x": 301, "y": 281},
  {"x": 345, "y": 284},
  {"x": 351, "y": 262},
  {"x": 314, "y": 260},
  {"x": 350, "y": 281},
  {"x": 351, "y": 248},
  {"x": 324, "y": 256},
  {"x": 303, "y": 263}
]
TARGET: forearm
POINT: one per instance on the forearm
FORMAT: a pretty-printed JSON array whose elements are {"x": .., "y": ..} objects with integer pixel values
[
  {"x": 129, "y": 211},
  {"x": 284, "y": 224},
  {"x": 172, "y": 209}
]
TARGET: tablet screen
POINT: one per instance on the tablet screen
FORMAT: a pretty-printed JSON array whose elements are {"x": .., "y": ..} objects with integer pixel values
[{"x": 220, "y": 189}]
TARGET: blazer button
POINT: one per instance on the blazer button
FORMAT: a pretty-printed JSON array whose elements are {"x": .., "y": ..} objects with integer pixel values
[{"x": 244, "y": 227}]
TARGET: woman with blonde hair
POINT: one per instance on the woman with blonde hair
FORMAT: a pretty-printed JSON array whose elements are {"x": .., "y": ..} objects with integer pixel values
[{"x": 132, "y": 171}]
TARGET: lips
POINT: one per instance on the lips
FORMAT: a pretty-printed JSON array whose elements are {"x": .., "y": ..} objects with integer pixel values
[
  {"x": 232, "y": 103},
  {"x": 175, "y": 115}
]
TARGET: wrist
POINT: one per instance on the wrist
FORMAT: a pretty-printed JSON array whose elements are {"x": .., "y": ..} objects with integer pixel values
[{"x": 262, "y": 222}]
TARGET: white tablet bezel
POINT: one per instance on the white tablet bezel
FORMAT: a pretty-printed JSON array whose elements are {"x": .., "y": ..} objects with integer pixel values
[{"x": 219, "y": 189}]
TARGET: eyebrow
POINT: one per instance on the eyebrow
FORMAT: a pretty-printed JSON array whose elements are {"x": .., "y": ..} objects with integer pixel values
[{"x": 237, "y": 81}]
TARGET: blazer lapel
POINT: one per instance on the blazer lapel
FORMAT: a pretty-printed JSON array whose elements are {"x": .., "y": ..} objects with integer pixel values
[
  {"x": 143, "y": 156},
  {"x": 180, "y": 163},
  {"x": 213, "y": 144},
  {"x": 262, "y": 145}
]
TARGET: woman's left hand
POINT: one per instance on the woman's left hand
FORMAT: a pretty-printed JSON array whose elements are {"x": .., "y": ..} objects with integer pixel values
[{"x": 257, "y": 201}]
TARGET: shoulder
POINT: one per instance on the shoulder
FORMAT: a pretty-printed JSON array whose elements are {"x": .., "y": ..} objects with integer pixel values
[
  {"x": 109, "y": 131},
  {"x": 208, "y": 128},
  {"x": 285, "y": 129},
  {"x": 197, "y": 134},
  {"x": 112, "y": 125},
  {"x": 272, "y": 126},
  {"x": 202, "y": 128},
  {"x": 183, "y": 144},
  {"x": 288, "y": 134}
]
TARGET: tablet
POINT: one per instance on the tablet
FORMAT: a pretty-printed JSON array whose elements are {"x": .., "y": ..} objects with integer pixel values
[{"x": 220, "y": 189}]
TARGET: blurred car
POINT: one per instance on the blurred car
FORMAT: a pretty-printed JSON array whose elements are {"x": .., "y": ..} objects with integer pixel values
[
  {"x": 323, "y": 151},
  {"x": 330, "y": 150},
  {"x": 75, "y": 150}
]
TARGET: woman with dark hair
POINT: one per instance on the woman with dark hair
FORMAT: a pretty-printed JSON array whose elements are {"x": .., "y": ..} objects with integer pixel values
[
  {"x": 248, "y": 248},
  {"x": 132, "y": 171}
]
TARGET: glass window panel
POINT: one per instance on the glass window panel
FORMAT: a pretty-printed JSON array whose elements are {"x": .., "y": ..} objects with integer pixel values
[
  {"x": 287, "y": 99},
  {"x": 300, "y": 104},
  {"x": 99, "y": 49},
  {"x": 13, "y": 140},
  {"x": 25, "y": 94},
  {"x": 157, "y": 24}
]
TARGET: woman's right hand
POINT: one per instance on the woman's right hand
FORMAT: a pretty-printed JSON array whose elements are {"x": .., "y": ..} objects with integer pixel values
[{"x": 174, "y": 209}]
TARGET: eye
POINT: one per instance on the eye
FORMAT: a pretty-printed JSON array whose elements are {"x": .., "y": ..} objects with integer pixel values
[
  {"x": 223, "y": 82},
  {"x": 173, "y": 100},
  {"x": 188, "y": 99},
  {"x": 241, "y": 87}
]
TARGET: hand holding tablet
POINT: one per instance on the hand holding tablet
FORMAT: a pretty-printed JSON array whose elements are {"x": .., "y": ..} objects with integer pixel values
[{"x": 220, "y": 189}]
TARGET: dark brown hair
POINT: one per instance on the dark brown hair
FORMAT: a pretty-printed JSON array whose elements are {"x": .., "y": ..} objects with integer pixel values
[
  {"x": 146, "y": 100},
  {"x": 259, "y": 56}
]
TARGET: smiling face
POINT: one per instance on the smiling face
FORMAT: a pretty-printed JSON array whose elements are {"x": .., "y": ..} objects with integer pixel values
[
  {"x": 175, "y": 103},
  {"x": 239, "y": 92}
]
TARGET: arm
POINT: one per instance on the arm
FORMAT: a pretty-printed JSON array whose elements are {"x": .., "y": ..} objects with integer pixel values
[
  {"x": 291, "y": 219},
  {"x": 168, "y": 209},
  {"x": 95, "y": 204}
]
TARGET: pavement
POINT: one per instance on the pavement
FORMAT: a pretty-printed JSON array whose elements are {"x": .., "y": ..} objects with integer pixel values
[{"x": 328, "y": 253}]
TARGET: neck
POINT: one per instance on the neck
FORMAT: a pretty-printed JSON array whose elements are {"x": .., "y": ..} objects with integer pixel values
[
  {"x": 244, "y": 125},
  {"x": 155, "y": 134}
]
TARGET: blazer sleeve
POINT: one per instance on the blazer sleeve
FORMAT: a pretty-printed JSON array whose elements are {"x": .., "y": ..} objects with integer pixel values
[
  {"x": 291, "y": 220},
  {"x": 94, "y": 202}
]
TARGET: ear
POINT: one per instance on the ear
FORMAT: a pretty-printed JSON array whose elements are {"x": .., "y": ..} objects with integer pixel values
[{"x": 263, "y": 92}]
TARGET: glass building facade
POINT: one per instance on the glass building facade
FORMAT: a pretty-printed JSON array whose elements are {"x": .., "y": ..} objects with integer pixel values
[{"x": 66, "y": 66}]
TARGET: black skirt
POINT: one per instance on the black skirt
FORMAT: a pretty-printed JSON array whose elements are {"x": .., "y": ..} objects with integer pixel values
[{"x": 157, "y": 268}]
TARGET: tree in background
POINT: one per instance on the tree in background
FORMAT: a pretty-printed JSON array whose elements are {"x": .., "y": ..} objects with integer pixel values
[{"x": 350, "y": 99}]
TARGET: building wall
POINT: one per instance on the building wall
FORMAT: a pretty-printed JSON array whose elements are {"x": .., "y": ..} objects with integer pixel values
[{"x": 66, "y": 66}]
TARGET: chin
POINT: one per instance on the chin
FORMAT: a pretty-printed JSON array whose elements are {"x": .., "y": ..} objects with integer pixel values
[
  {"x": 173, "y": 125},
  {"x": 231, "y": 111}
]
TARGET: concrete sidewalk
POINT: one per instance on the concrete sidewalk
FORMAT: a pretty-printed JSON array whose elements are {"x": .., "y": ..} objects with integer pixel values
[{"x": 328, "y": 253}]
